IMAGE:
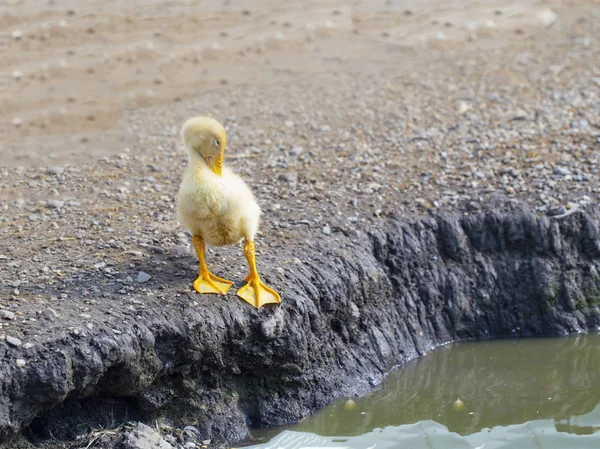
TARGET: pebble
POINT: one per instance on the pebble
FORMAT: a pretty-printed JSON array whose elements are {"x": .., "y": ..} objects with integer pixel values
[
  {"x": 289, "y": 177},
  {"x": 327, "y": 230},
  {"x": 191, "y": 430},
  {"x": 14, "y": 341},
  {"x": 295, "y": 151},
  {"x": 142, "y": 277},
  {"x": 560, "y": 210},
  {"x": 562, "y": 171},
  {"x": 547, "y": 17},
  {"x": 7, "y": 315},
  {"x": 17, "y": 121},
  {"x": 520, "y": 115},
  {"x": 17, "y": 74},
  {"x": 20, "y": 363},
  {"x": 181, "y": 250},
  {"x": 17, "y": 34},
  {"x": 55, "y": 204},
  {"x": 55, "y": 170}
]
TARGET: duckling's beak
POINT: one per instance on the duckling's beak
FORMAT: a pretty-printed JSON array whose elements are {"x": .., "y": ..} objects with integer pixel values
[{"x": 215, "y": 163}]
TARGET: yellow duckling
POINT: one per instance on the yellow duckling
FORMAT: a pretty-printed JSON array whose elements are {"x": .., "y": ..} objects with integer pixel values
[{"x": 218, "y": 209}]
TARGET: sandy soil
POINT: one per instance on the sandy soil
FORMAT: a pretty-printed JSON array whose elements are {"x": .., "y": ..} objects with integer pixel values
[{"x": 73, "y": 72}]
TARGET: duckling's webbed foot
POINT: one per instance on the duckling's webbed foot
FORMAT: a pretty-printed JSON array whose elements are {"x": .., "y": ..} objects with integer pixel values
[
  {"x": 207, "y": 282},
  {"x": 255, "y": 292}
]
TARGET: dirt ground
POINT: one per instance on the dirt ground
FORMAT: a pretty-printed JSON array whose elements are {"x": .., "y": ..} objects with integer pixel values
[
  {"x": 365, "y": 122},
  {"x": 73, "y": 72},
  {"x": 338, "y": 116}
]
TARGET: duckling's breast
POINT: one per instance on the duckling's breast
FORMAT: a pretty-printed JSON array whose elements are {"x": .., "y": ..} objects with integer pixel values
[{"x": 220, "y": 231}]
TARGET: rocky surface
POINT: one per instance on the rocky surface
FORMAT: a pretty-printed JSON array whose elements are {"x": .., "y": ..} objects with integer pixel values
[
  {"x": 365, "y": 303},
  {"x": 437, "y": 193}
]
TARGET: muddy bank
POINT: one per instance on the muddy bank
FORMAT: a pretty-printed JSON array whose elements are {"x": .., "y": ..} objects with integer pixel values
[{"x": 366, "y": 302}]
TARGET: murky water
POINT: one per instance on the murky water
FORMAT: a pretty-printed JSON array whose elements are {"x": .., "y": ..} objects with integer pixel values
[{"x": 537, "y": 393}]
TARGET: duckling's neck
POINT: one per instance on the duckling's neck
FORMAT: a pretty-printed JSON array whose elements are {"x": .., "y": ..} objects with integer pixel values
[{"x": 197, "y": 164}]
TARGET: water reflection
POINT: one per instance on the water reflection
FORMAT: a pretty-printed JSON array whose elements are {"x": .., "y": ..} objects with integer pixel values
[
  {"x": 501, "y": 383},
  {"x": 552, "y": 383}
]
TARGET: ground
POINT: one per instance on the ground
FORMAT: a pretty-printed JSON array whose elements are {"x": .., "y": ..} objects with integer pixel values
[{"x": 338, "y": 118}]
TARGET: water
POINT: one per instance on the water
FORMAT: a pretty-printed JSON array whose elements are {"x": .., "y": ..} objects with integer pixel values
[{"x": 534, "y": 393}]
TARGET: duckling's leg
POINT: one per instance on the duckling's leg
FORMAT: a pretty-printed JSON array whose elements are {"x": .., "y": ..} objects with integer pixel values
[
  {"x": 207, "y": 282},
  {"x": 255, "y": 292}
]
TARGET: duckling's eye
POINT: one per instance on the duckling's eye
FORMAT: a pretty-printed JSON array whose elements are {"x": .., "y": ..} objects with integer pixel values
[{"x": 216, "y": 143}]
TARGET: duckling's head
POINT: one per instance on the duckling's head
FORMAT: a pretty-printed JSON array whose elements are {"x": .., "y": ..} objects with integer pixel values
[{"x": 205, "y": 139}]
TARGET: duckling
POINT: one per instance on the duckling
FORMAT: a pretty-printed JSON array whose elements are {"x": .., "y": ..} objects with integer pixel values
[{"x": 218, "y": 208}]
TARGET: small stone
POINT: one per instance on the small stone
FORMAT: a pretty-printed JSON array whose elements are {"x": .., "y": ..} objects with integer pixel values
[
  {"x": 14, "y": 341},
  {"x": 17, "y": 34},
  {"x": 100, "y": 265},
  {"x": 562, "y": 171},
  {"x": 7, "y": 315},
  {"x": 295, "y": 151},
  {"x": 117, "y": 331},
  {"x": 51, "y": 314},
  {"x": 17, "y": 122},
  {"x": 520, "y": 115},
  {"x": 547, "y": 17},
  {"x": 20, "y": 363},
  {"x": 144, "y": 437},
  {"x": 560, "y": 210},
  {"x": 55, "y": 204},
  {"x": 289, "y": 124},
  {"x": 142, "y": 277},
  {"x": 55, "y": 170},
  {"x": 189, "y": 445},
  {"x": 289, "y": 177},
  {"x": 17, "y": 74},
  {"x": 180, "y": 250},
  {"x": 326, "y": 230},
  {"x": 28, "y": 346},
  {"x": 191, "y": 430}
]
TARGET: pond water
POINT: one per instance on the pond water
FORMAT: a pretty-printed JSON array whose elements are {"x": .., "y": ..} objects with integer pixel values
[{"x": 521, "y": 394}]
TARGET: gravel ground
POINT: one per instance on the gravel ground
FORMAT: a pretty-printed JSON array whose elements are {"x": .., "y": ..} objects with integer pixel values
[{"x": 455, "y": 128}]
